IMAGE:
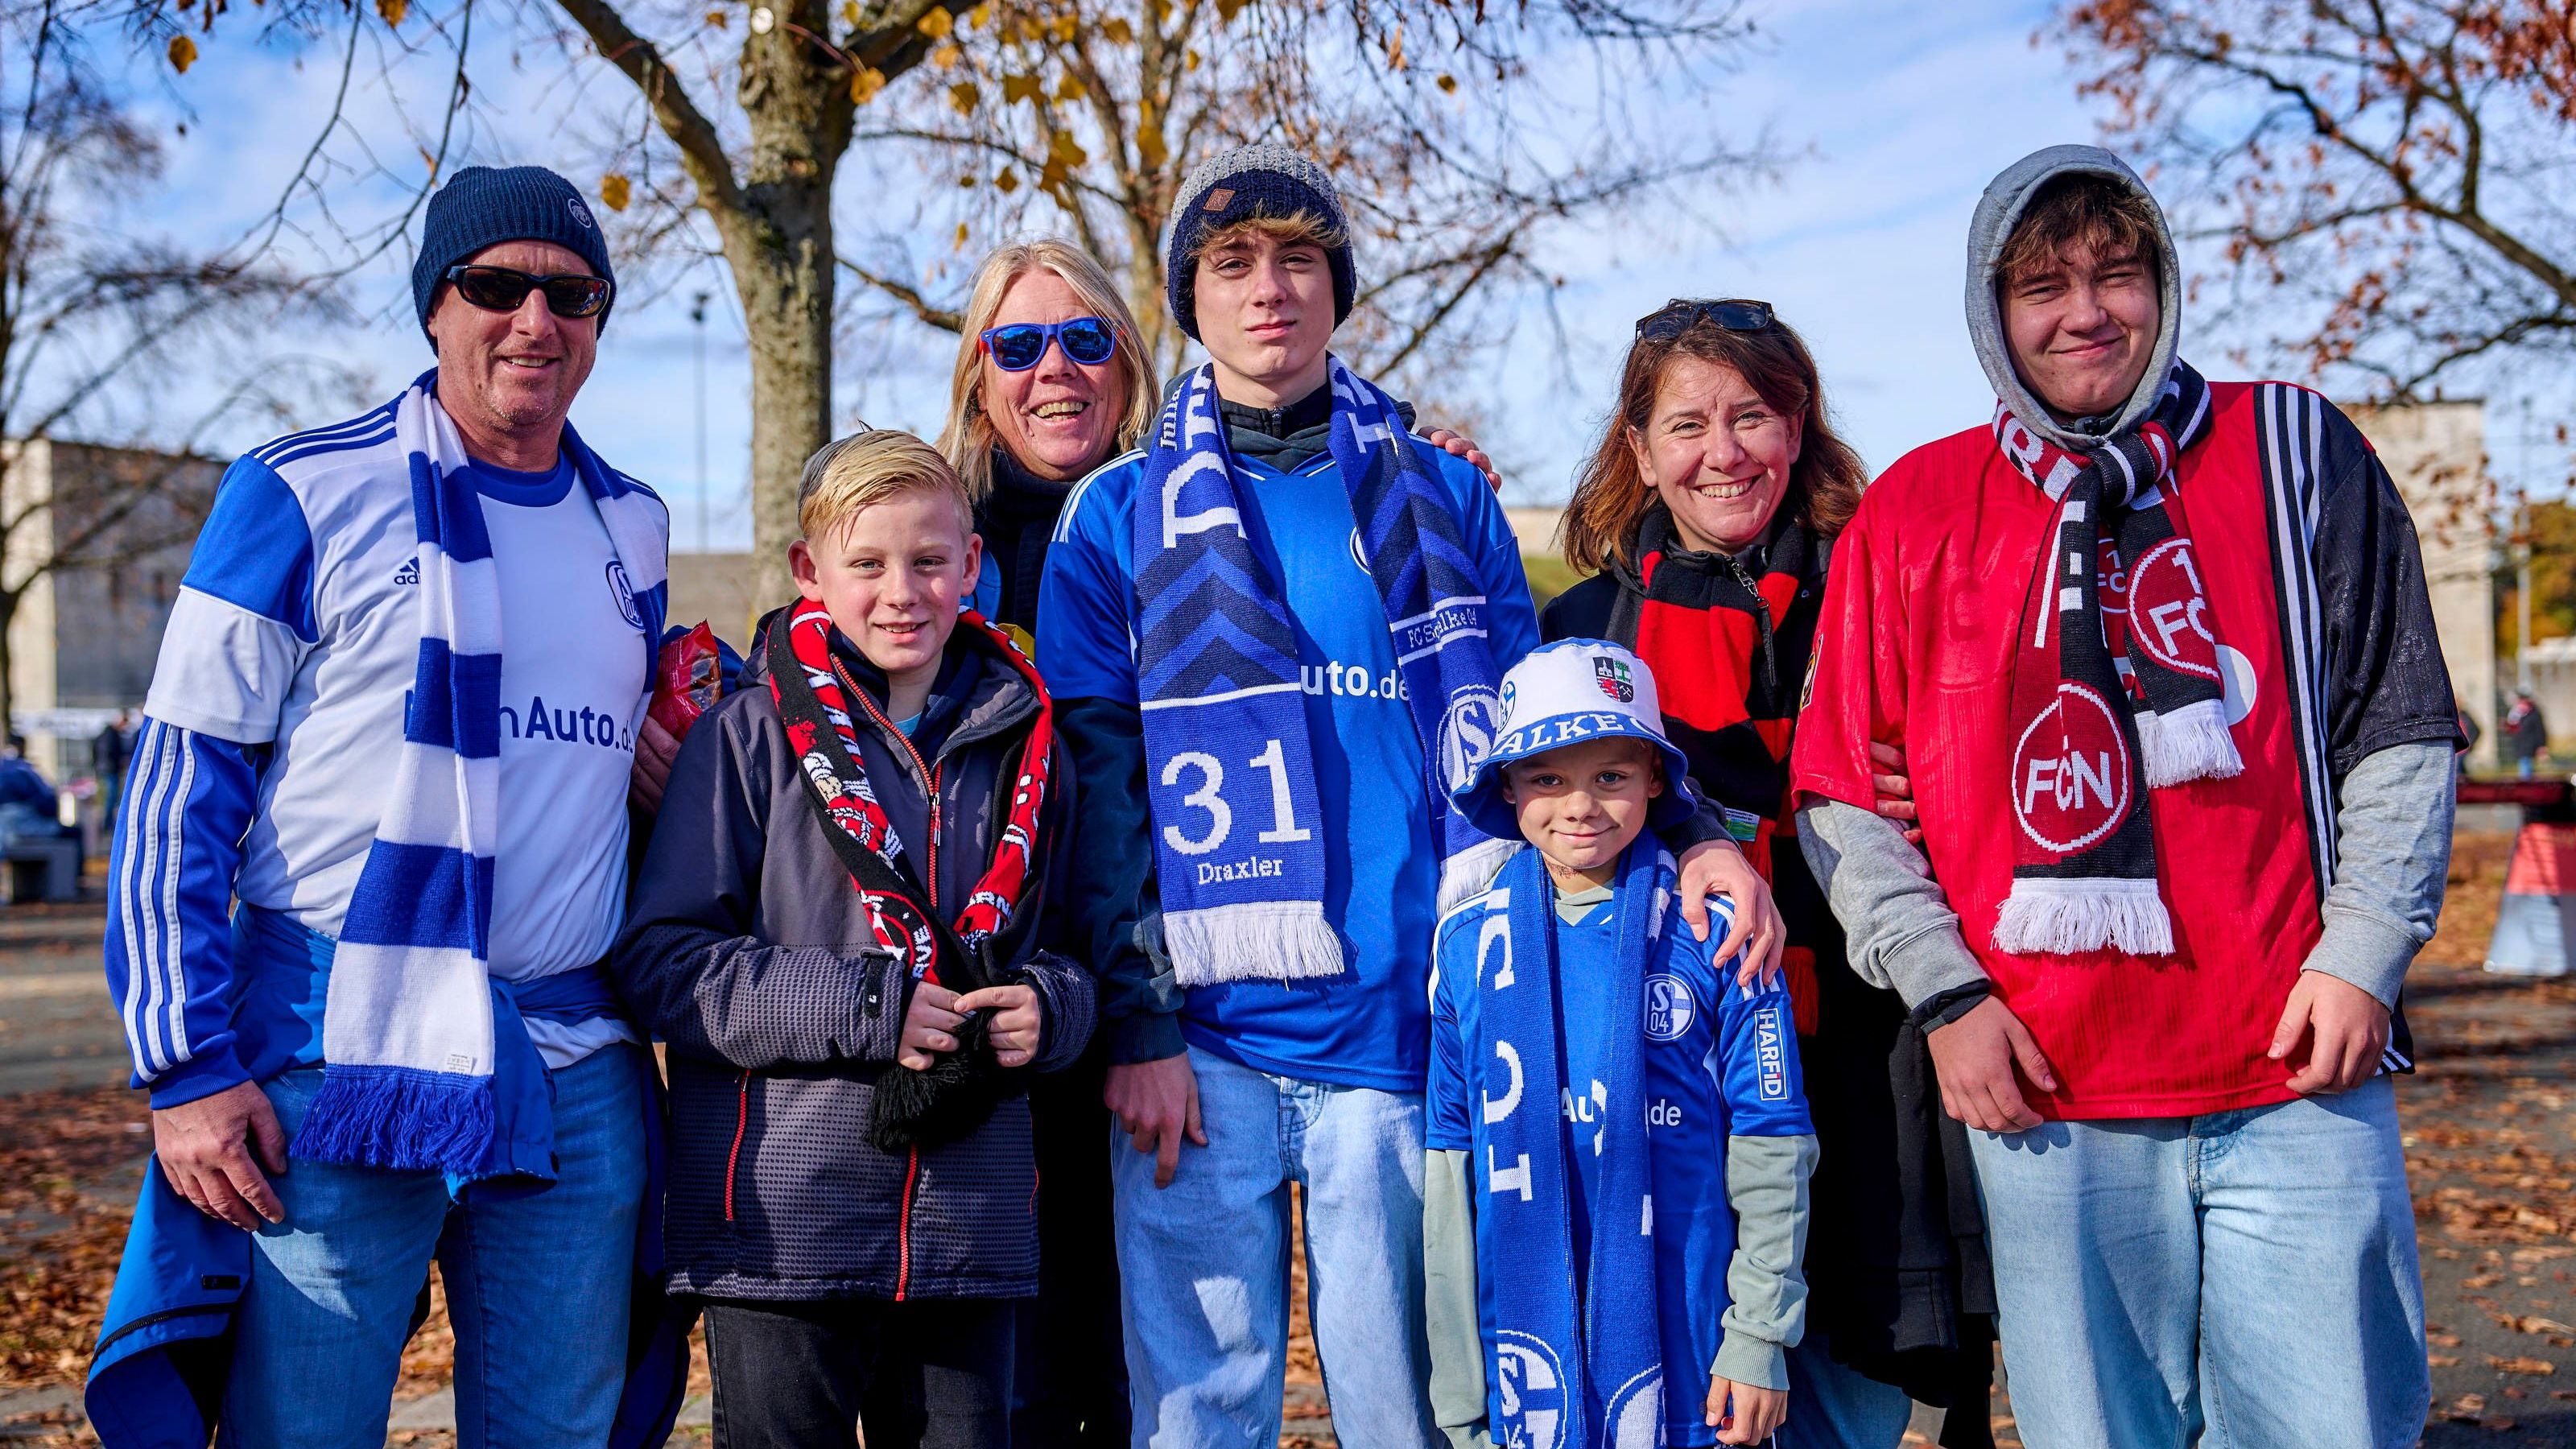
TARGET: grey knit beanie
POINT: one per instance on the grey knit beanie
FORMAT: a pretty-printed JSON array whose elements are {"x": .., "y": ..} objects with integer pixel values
[{"x": 1262, "y": 179}]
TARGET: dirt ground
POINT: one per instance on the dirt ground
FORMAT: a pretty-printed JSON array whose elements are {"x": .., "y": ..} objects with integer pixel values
[{"x": 2491, "y": 1151}]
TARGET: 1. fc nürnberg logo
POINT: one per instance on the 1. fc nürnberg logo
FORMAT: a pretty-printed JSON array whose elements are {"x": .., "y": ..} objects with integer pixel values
[
  {"x": 2068, "y": 801},
  {"x": 2168, "y": 609}
]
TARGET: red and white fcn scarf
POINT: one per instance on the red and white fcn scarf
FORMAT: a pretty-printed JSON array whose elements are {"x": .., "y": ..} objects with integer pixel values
[
  {"x": 2116, "y": 684},
  {"x": 815, "y": 708}
]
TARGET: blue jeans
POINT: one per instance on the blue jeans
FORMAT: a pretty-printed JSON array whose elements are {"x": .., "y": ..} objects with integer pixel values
[
  {"x": 1204, "y": 1264},
  {"x": 2245, "y": 1278},
  {"x": 1833, "y": 1406},
  {"x": 537, "y": 1284}
]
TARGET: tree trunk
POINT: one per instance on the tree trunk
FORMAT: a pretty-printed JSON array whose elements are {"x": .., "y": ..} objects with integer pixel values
[
  {"x": 784, "y": 275},
  {"x": 778, "y": 244}
]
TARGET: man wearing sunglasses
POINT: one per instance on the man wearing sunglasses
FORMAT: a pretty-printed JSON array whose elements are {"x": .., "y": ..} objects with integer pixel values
[{"x": 394, "y": 717}]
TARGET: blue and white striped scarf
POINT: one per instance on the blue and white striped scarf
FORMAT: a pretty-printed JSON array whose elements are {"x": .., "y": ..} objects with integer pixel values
[
  {"x": 426, "y": 1065},
  {"x": 1581, "y": 1370},
  {"x": 1229, "y": 767}
]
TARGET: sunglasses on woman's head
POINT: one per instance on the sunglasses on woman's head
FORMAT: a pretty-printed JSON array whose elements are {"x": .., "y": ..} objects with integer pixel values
[
  {"x": 502, "y": 289},
  {"x": 1735, "y": 314},
  {"x": 1017, "y": 347}
]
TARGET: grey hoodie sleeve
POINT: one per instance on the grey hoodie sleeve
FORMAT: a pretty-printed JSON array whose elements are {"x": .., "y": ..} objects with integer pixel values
[
  {"x": 1766, "y": 1288},
  {"x": 1901, "y": 933},
  {"x": 2392, "y": 858},
  {"x": 1449, "y": 1283},
  {"x": 687, "y": 962}
]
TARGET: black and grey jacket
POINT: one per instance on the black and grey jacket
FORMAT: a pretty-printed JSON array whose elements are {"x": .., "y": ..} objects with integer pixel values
[{"x": 748, "y": 951}]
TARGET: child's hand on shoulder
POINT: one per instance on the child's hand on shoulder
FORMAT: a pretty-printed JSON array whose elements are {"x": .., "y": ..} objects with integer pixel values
[
  {"x": 1755, "y": 1415},
  {"x": 929, "y": 1025},
  {"x": 1016, "y": 1023}
]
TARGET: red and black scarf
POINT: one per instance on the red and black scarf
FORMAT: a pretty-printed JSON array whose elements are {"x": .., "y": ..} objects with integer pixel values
[
  {"x": 1729, "y": 646},
  {"x": 2117, "y": 684},
  {"x": 814, "y": 702}
]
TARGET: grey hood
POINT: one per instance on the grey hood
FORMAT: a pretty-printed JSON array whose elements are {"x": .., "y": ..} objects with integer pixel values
[{"x": 2002, "y": 205}]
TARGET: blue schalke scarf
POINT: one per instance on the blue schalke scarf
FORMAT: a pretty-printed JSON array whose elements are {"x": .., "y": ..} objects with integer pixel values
[
  {"x": 1567, "y": 1370},
  {"x": 1228, "y": 763},
  {"x": 426, "y": 1063}
]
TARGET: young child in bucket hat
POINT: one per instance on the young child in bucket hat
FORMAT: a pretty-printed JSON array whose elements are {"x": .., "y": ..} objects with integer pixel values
[{"x": 1619, "y": 1147}]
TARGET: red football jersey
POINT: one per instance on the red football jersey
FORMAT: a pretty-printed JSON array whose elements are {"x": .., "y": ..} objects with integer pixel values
[{"x": 2290, "y": 522}]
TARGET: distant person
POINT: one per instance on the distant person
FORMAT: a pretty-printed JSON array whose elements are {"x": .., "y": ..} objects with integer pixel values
[
  {"x": 111, "y": 749},
  {"x": 2526, "y": 731},
  {"x": 2160, "y": 654},
  {"x": 30, "y": 807},
  {"x": 394, "y": 718}
]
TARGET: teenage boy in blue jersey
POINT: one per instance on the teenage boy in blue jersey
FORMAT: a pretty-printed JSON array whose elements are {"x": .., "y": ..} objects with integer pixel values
[
  {"x": 1611, "y": 1112},
  {"x": 1275, "y": 633}
]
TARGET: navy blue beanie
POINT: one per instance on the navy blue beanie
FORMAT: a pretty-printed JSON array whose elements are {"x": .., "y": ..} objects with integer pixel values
[
  {"x": 1262, "y": 179},
  {"x": 484, "y": 206}
]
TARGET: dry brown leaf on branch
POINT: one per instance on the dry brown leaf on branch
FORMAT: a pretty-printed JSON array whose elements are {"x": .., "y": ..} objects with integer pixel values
[
  {"x": 183, "y": 53},
  {"x": 615, "y": 191}
]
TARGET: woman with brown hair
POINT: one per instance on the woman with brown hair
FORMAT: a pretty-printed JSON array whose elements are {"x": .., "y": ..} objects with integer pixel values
[{"x": 1707, "y": 516}]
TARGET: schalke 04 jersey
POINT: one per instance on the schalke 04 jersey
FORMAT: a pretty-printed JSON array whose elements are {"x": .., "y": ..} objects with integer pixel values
[{"x": 1720, "y": 1061}]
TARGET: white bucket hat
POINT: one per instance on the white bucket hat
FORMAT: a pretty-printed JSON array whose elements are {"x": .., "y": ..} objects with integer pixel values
[{"x": 1564, "y": 694}]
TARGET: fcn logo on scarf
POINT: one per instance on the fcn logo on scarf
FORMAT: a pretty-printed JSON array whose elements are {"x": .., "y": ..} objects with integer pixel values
[
  {"x": 2070, "y": 772},
  {"x": 2168, "y": 608}
]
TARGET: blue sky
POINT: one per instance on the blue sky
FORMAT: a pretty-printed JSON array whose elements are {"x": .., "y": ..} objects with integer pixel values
[{"x": 1893, "y": 115}]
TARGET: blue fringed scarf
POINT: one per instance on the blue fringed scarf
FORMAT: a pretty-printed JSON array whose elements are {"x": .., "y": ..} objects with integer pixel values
[
  {"x": 1228, "y": 763},
  {"x": 426, "y": 1064},
  {"x": 1579, "y": 1371}
]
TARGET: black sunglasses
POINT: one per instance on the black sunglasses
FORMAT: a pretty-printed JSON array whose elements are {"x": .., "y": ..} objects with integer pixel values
[
  {"x": 1017, "y": 347},
  {"x": 1735, "y": 314},
  {"x": 502, "y": 289}
]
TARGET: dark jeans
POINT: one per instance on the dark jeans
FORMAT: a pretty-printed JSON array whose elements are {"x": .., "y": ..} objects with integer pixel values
[
  {"x": 792, "y": 1375},
  {"x": 1072, "y": 1375},
  {"x": 1070, "y": 1382}
]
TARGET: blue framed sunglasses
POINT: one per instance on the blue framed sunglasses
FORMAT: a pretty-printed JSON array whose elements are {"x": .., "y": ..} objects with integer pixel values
[{"x": 1019, "y": 346}]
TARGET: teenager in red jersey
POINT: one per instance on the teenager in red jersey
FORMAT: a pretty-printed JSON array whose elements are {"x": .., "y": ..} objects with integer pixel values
[{"x": 2159, "y": 653}]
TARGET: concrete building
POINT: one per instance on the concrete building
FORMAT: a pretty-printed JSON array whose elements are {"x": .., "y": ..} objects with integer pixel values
[
  {"x": 116, "y": 526},
  {"x": 2437, "y": 454}
]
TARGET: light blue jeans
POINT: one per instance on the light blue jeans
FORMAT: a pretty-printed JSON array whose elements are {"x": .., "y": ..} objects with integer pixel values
[
  {"x": 537, "y": 1284},
  {"x": 1832, "y": 1406},
  {"x": 2245, "y": 1279},
  {"x": 1204, "y": 1264}
]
